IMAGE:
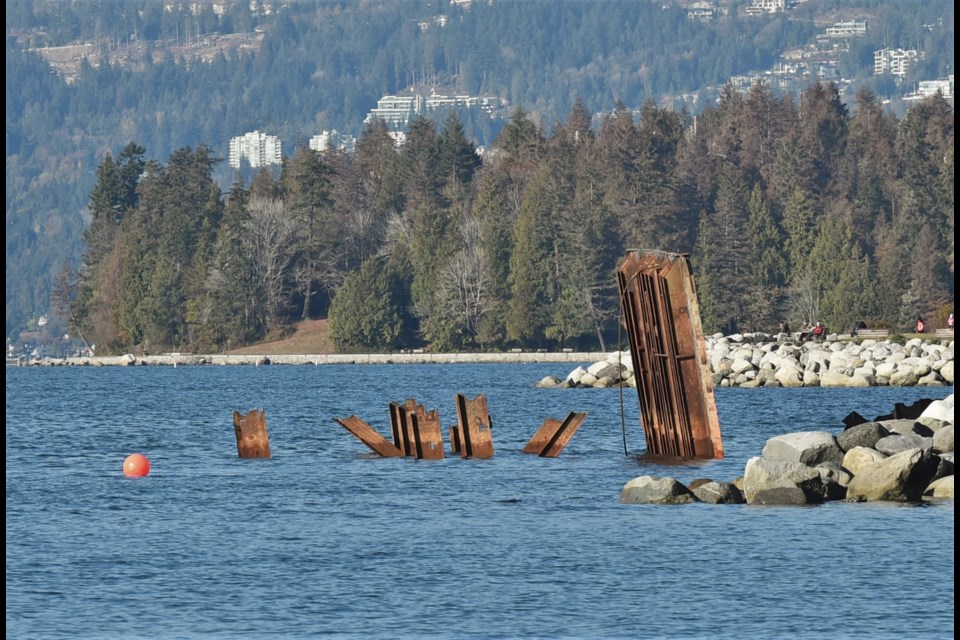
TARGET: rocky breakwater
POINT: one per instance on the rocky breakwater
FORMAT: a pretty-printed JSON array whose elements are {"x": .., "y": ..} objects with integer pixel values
[
  {"x": 757, "y": 360},
  {"x": 886, "y": 460}
]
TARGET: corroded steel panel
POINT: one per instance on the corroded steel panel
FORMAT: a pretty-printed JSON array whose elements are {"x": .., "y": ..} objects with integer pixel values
[
  {"x": 416, "y": 431},
  {"x": 369, "y": 436},
  {"x": 553, "y": 435},
  {"x": 251, "y": 431},
  {"x": 475, "y": 439},
  {"x": 662, "y": 317}
]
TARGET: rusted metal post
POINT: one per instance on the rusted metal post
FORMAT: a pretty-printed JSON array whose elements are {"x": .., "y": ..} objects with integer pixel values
[
  {"x": 369, "y": 436},
  {"x": 251, "y": 431},
  {"x": 662, "y": 317},
  {"x": 553, "y": 435},
  {"x": 473, "y": 432}
]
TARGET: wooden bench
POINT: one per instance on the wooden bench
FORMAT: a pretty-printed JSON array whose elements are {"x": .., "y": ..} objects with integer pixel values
[
  {"x": 944, "y": 333},
  {"x": 873, "y": 333}
]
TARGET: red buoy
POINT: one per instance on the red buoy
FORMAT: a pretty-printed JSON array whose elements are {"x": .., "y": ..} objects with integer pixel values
[{"x": 136, "y": 466}]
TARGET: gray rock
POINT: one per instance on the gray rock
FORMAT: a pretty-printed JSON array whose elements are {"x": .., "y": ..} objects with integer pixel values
[
  {"x": 943, "y": 439},
  {"x": 650, "y": 490},
  {"x": 895, "y": 443},
  {"x": 865, "y": 434},
  {"x": 762, "y": 475},
  {"x": 785, "y": 494},
  {"x": 718, "y": 493},
  {"x": 807, "y": 447},
  {"x": 907, "y": 427}
]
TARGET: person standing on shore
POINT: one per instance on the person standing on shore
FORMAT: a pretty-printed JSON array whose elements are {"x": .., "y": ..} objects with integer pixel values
[
  {"x": 950, "y": 322},
  {"x": 920, "y": 325}
]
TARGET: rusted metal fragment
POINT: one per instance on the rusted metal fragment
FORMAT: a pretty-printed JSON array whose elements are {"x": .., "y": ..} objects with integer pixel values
[
  {"x": 473, "y": 428},
  {"x": 416, "y": 431},
  {"x": 553, "y": 435},
  {"x": 661, "y": 312},
  {"x": 455, "y": 445},
  {"x": 251, "y": 431},
  {"x": 369, "y": 436}
]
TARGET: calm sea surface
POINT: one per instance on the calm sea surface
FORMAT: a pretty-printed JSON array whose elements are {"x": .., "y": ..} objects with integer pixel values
[{"x": 326, "y": 540}]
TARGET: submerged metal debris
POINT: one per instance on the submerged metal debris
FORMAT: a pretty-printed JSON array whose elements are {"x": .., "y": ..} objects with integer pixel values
[
  {"x": 251, "y": 431},
  {"x": 662, "y": 317}
]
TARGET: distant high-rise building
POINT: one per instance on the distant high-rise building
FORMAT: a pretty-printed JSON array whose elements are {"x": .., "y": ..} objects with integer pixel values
[
  {"x": 333, "y": 140},
  {"x": 399, "y": 111},
  {"x": 259, "y": 149},
  {"x": 896, "y": 62}
]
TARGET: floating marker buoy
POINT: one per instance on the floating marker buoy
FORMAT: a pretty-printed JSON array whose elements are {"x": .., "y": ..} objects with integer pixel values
[{"x": 136, "y": 466}]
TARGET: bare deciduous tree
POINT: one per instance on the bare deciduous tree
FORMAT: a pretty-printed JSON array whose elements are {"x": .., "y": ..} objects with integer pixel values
[
  {"x": 803, "y": 297},
  {"x": 270, "y": 232}
]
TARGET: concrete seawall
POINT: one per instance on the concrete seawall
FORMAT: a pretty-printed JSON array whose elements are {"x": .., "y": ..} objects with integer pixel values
[{"x": 306, "y": 359}]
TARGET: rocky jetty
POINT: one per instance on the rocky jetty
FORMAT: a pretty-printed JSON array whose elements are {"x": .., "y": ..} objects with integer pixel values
[
  {"x": 759, "y": 360},
  {"x": 898, "y": 460}
]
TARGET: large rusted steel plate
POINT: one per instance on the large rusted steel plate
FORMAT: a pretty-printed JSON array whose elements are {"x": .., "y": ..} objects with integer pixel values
[
  {"x": 251, "y": 431},
  {"x": 661, "y": 312},
  {"x": 416, "y": 431},
  {"x": 474, "y": 428},
  {"x": 553, "y": 435},
  {"x": 369, "y": 436}
]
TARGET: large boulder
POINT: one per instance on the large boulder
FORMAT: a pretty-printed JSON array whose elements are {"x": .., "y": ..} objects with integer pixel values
[
  {"x": 943, "y": 439},
  {"x": 902, "y": 477},
  {"x": 907, "y": 427},
  {"x": 862, "y": 435},
  {"x": 896, "y": 443},
  {"x": 940, "y": 489},
  {"x": 768, "y": 481},
  {"x": 859, "y": 458},
  {"x": 807, "y": 447}
]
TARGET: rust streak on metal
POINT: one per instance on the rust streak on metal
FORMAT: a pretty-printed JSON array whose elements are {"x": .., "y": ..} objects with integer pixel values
[
  {"x": 475, "y": 439},
  {"x": 369, "y": 436},
  {"x": 251, "y": 431},
  {"x": 553, "y": 435},
  {"x": 662, "y": 317}
]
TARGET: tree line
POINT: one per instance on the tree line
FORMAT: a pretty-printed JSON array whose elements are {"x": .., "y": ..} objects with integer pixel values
[
  {"x": 791, "y": 210},
  {"x": 160, "y": 76}
]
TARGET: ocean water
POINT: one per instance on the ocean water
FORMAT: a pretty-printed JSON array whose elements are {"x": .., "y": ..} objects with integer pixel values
[{"x": 327, "y": 540}]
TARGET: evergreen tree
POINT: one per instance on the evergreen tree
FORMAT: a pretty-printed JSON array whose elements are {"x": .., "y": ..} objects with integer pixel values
[
  {"x": 318, "y": 256},
  {"x": 366, "y": 313},
  {"x": 842, "y": 273},
  {"x": 768, "y": 265}
]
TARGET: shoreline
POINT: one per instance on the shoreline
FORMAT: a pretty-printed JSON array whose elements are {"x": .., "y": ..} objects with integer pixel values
[{"x": 317, "y": 359}]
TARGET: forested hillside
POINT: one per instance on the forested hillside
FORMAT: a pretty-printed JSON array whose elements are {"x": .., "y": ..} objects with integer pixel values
[
  {"x": 793, "y": 211},
  {"x": 164, "y": 85}
]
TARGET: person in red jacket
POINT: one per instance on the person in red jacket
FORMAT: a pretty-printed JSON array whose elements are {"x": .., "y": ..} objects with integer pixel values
[
  {"x": 818, "y": 331},
  {"x": 920, "y": 325}
]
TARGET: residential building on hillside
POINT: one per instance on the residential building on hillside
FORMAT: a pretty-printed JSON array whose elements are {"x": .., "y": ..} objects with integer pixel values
[
  {"x": 927, "y": 88},
  {"x": 760, "y": 7},
  {"x": 333, "y": 140},
  {"x": 398, "y": 111},
  {"x": 896, "y": 62},
  {"x": 259, "y": 149},
  {"x": 847, "y": 29}
]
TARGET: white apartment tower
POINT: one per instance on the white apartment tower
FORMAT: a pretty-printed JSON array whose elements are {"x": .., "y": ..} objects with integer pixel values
[
  {"x": 895, "y": 61},
  {"x": 258, "y": 148}
]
